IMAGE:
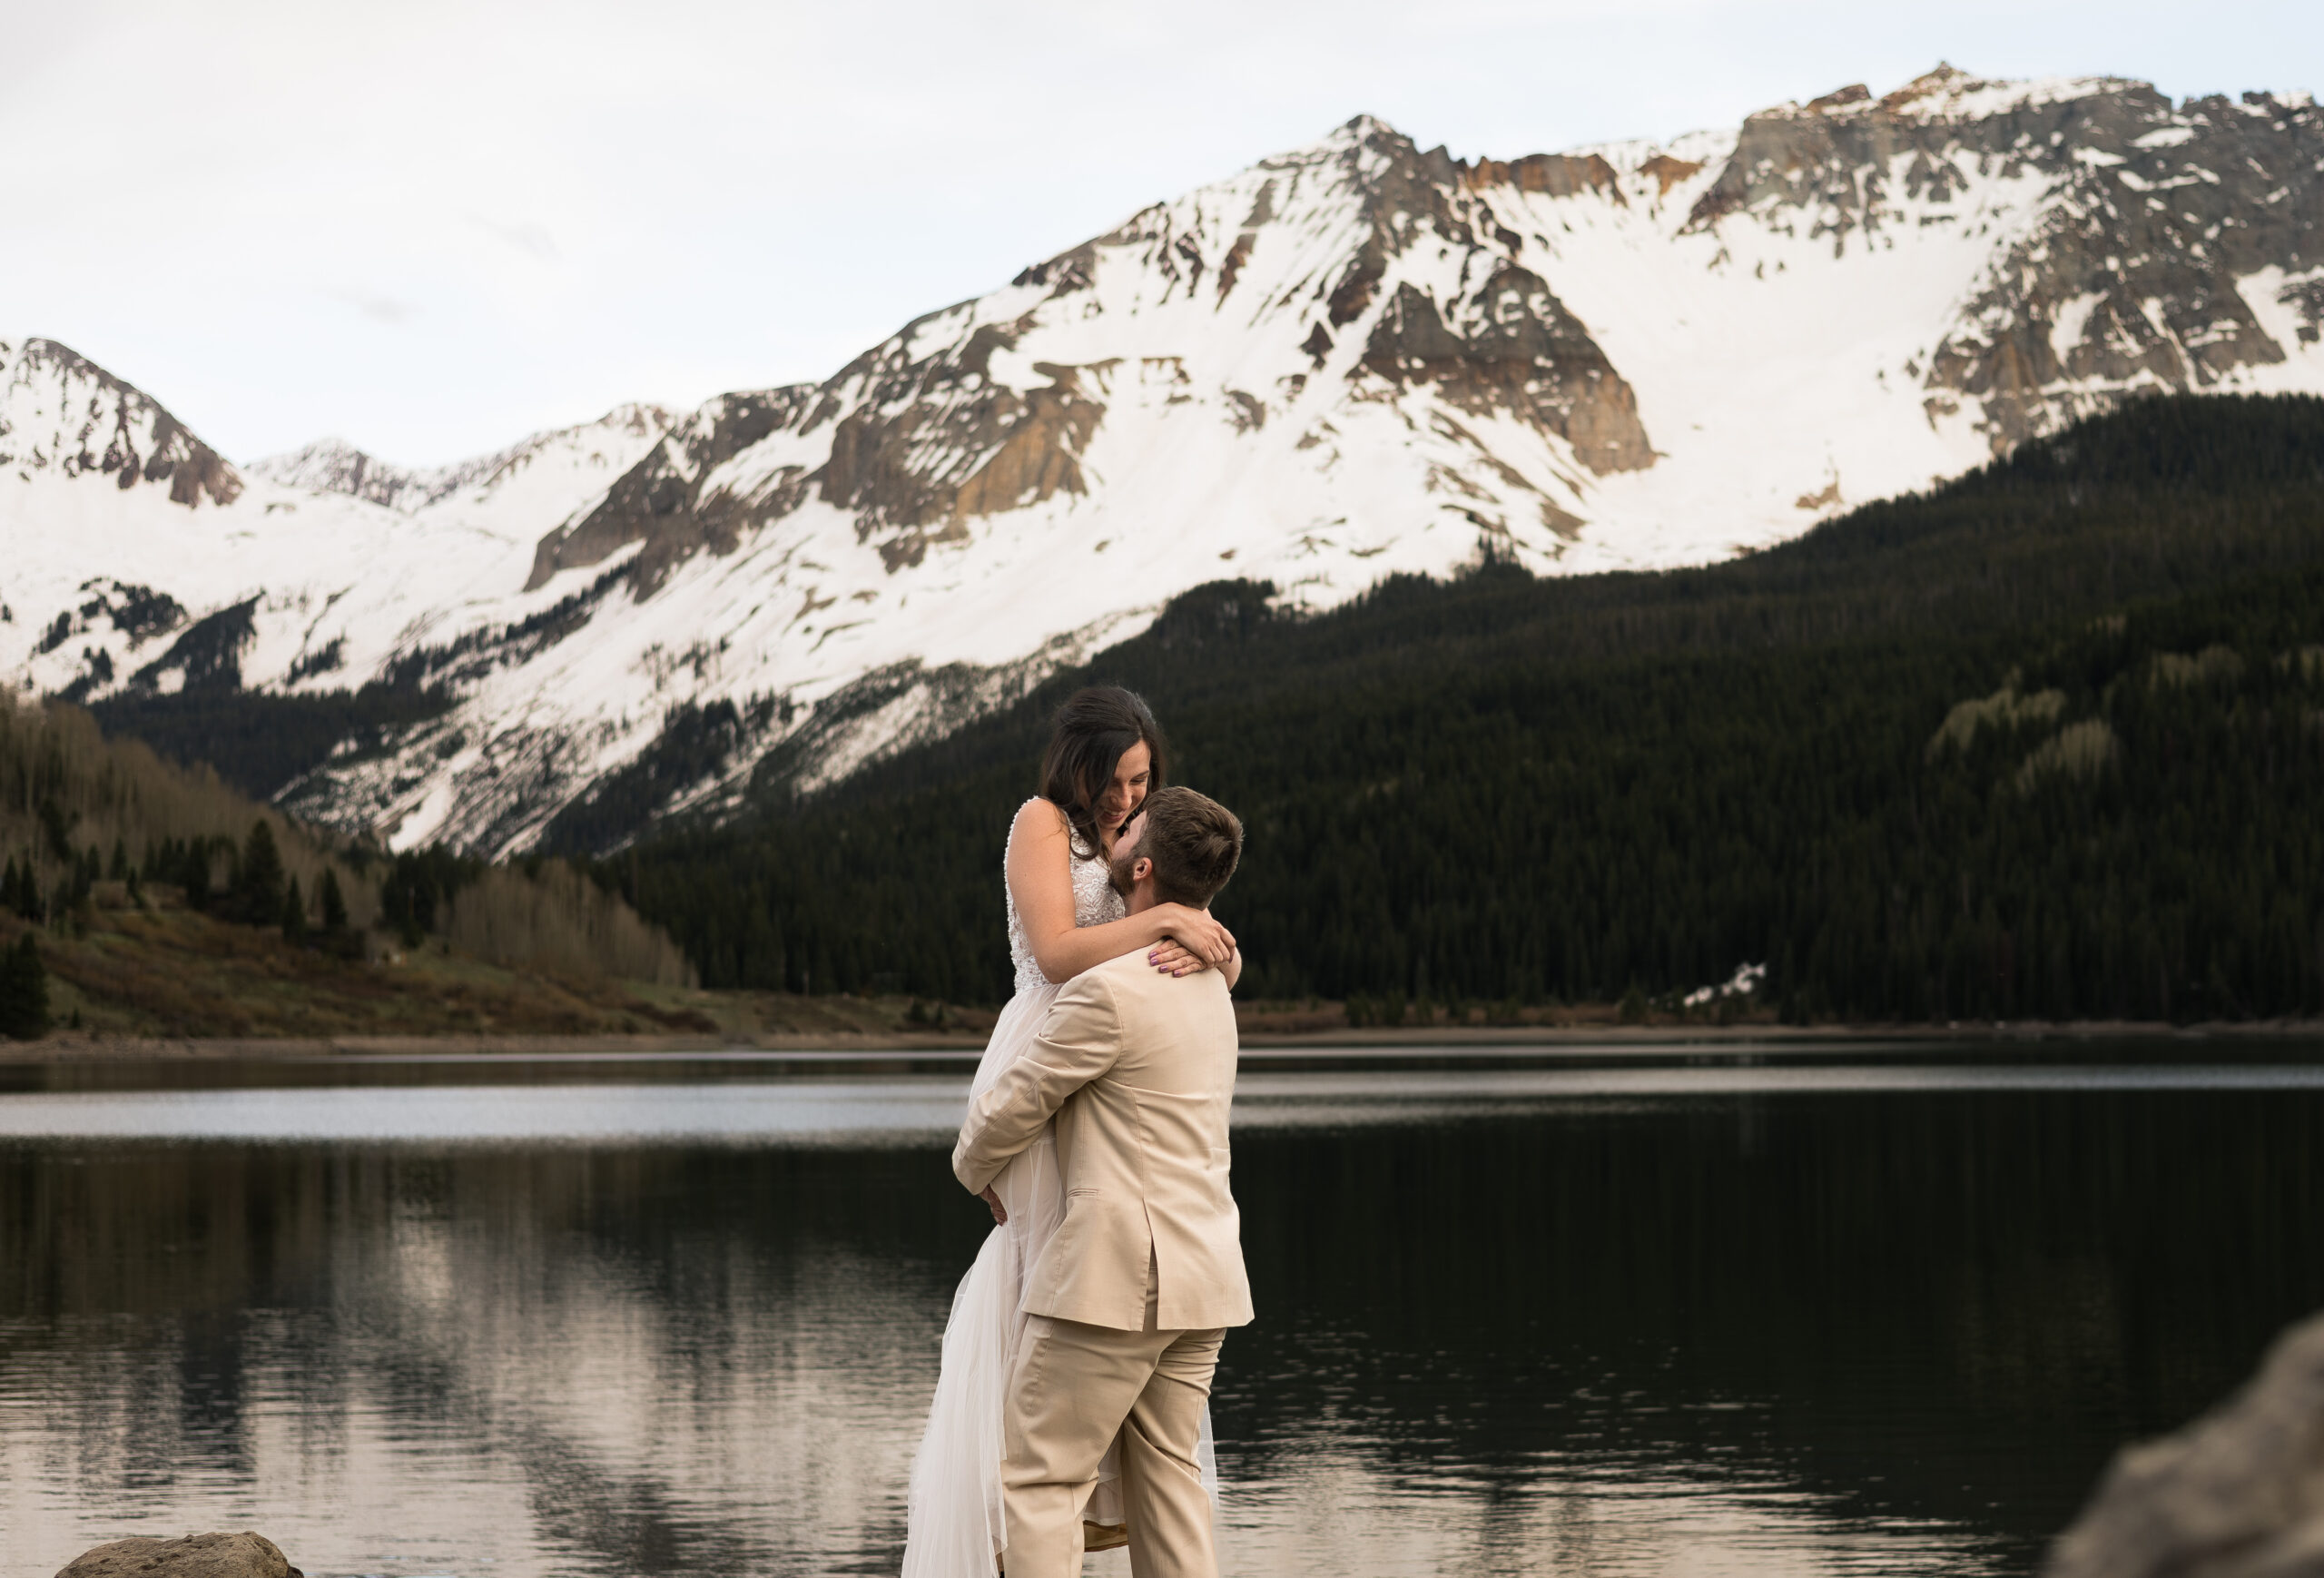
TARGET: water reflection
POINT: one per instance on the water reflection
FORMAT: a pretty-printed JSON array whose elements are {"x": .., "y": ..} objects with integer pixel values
[
  {"x": 1605, "y": 1330},
  {"x": 924, "y": 1110},
  {"x": 553, "y": 1363}
]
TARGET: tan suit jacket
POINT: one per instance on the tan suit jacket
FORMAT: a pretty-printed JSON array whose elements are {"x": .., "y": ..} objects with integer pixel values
[{"x": 1138, "y": 1070}]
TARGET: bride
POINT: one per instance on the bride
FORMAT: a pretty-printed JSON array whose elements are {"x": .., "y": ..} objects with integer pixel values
[{"x": 1105, "y": 756}]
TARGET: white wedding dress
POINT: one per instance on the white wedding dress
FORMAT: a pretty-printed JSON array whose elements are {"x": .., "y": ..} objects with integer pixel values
[{"x": 956, "y": 1528}]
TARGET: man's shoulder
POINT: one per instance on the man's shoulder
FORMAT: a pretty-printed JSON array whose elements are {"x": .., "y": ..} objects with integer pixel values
[
  {"x": 1101, "y": 983},
  {"x": 1129, "y": 970},
  {"x": 1131, "y": 983},
  {"x": 1105, "y": 988}
]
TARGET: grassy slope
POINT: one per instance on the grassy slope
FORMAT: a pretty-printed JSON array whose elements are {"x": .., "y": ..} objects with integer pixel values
[
  {"x": 535, "y": 950},
  {"x": 162, "y": 971}
]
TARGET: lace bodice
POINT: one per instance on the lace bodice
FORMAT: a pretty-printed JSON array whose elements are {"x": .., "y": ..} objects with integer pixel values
[{"x": 1095, "y": 903}]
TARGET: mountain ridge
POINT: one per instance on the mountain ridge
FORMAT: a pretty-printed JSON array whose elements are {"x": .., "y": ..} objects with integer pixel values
[
  {"x": 332, "y": 465},
  {"x": 1346, "y": 360}
]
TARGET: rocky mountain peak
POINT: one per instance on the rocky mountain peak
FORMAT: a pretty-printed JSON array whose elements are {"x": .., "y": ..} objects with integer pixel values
[
  {"x": 661, "y": 500},
  {"x": 1374, "y": 270},
  {"x": 333, "y": 465},
  {"x": 64, "y": 414},
  {"x": 1492, "y": 338},
  {"x": 2147, "y": 218}
]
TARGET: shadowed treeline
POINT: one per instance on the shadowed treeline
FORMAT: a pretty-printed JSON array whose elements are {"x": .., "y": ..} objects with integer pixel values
[
  {"x": 546, "y": 916},
  {"x": 168, "y": 902},
  {"x": 70, "y": 798}
]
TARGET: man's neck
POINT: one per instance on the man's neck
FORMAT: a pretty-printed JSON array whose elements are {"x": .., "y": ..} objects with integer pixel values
[{"x": 1140, "y": 897}]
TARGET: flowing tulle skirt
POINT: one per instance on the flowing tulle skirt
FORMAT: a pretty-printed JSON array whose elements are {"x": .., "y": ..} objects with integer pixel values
[{"x": 957, "y": 1529}]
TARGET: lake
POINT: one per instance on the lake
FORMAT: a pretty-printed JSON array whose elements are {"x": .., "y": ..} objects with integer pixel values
[{"x": 1823, "y": 1312}]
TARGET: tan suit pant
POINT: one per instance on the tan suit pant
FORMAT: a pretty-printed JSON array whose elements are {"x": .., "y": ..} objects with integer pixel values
[{"x": 1075, "y": 1388}]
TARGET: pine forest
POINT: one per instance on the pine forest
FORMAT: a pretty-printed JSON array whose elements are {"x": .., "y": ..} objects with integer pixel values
[{"x": 2043, "y": 742}]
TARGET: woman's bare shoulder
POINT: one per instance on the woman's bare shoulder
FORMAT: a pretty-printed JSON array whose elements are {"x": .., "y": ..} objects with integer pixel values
[{"x": 1037, "y": 816}]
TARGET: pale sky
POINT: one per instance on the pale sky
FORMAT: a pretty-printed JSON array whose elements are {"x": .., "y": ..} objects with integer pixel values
[{"x": 433, "y": 228}]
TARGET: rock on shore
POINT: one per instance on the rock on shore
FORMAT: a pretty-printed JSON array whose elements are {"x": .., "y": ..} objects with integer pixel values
[
  {"x": 244, "y": 1555},
  {"x": 2238, "y": 1494}
]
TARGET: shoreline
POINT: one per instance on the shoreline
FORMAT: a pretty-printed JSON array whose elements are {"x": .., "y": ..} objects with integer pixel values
[{"x": 1492, "y": 1043}]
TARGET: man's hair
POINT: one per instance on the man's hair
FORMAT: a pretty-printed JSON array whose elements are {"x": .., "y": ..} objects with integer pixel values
[{"x": 1193, "y": 842}]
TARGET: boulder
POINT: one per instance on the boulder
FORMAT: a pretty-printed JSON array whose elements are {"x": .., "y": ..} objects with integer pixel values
[
  {"x": 194, "y": 1556},
  {"x": 2238, "y": 1494}
]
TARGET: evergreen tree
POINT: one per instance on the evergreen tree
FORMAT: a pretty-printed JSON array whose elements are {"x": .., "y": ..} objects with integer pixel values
[
  {"x": 294, "y": 913},
  {"x": 418, "y": 883},
  {"x": 119, "y": 870},
  {"x": 258, "y": 890},
  {"x": 194, "y": 874},
  {"x": 23, "y": 991},
  {"x": 57, "y": 826},
  {"x": 334, "y": 903}
]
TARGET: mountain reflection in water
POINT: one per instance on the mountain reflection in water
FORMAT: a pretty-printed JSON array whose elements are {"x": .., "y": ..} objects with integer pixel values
[{"x": 1804, "y": 1332}]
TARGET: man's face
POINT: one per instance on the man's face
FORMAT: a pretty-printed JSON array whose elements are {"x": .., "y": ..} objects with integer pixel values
[{"x": 1122, "y": 868}]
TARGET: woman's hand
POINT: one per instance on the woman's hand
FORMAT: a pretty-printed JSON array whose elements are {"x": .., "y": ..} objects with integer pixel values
[
  {"x": 999, "y": 1211},
  {"x": 1172, "y": 957},
  {"x": 1198, "y": 934}
]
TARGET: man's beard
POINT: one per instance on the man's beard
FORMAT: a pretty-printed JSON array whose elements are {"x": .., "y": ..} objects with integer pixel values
[{"x": 1117, "y": 877}]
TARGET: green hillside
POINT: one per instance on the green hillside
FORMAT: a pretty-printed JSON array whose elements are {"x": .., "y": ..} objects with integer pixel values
[{"x": 2042, "y": 742}]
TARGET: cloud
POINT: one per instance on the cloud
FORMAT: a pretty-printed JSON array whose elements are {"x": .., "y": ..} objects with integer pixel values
[
  {"x": 532, "y": 240},
  {"x": 378, "y": 308}
]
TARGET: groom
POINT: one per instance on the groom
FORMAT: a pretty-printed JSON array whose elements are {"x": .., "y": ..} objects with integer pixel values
[{"x": 1130, "y": 1301}]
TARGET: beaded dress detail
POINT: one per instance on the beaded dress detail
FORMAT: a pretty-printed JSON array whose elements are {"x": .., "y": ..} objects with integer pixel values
[{"x": 1095, "y": 903}]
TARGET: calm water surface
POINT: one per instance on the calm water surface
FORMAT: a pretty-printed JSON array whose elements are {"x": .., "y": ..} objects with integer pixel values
[{"x": 485, "y": 1320}]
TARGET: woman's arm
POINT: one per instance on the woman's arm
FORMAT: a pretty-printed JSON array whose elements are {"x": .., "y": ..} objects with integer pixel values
[{"x": 1040, "y": 880}]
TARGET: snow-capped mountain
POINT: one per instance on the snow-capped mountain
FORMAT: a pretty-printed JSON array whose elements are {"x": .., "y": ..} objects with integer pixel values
[
  {"x": 139, "y": 559},
  {"x": 1352, "y": 359},
  {"x": 538, "y": 474}
]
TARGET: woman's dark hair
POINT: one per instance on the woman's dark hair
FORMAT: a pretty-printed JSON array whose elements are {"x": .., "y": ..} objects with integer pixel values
[{"x": 1092, "y": 730}]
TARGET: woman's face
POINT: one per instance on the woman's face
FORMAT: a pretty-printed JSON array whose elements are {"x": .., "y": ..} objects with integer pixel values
[{"x": 1123, "y": 795}]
